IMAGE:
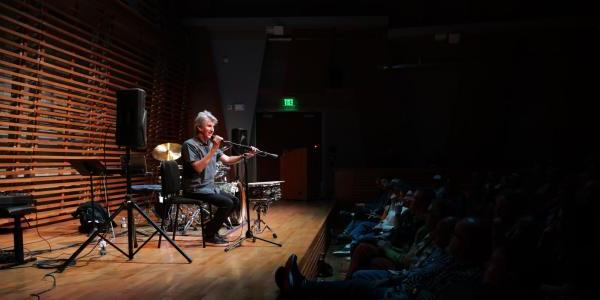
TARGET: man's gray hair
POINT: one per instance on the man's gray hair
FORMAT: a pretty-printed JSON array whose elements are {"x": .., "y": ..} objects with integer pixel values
[{"x": 204, "y": 116}]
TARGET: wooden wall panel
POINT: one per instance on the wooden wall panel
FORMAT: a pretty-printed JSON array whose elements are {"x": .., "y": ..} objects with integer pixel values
[{"x": 61, "y": 63}]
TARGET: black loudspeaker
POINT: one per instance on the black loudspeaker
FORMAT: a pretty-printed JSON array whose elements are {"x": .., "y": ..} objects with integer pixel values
[
  {"x": 131, "y": 118},
  {"x": 239, "y": 136}
]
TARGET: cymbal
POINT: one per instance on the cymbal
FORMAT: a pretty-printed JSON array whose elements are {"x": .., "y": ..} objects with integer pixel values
[{"x": 167, "y": 151}]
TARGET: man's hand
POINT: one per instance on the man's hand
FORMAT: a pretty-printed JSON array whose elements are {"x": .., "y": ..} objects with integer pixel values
[
  {"x": 252, "y": 152},
  {"x": 216, "y": 141}
]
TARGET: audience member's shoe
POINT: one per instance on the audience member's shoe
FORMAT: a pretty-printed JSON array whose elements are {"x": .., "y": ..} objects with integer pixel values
[
  {"x": 286, "y": 280},
  {"x": 292, "y": 278},
  {"x": 295, "y": 271},
  {"x": 279, "y": 277},
  {"x": 348, "y": 246},
  {"x": 217, "y": 240},
  {"x": 341, "y": 253}
]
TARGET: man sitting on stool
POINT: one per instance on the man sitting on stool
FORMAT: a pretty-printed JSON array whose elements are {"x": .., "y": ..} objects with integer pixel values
[{"x": 200, "y": 155}]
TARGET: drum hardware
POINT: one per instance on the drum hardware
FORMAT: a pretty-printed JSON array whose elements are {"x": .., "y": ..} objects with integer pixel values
[
  {"x": 189, "y": 217},
  {"x": 261, "y": 206},
  {"x": 194, "y": 219}
]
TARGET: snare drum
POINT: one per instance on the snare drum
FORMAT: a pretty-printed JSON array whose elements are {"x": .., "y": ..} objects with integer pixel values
[{"x": 264, "y": 191}]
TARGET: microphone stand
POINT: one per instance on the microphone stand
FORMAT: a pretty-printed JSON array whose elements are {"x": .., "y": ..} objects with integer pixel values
[
  {"x": 258, "y": 152},
  {"x": 249, "y": 234}
]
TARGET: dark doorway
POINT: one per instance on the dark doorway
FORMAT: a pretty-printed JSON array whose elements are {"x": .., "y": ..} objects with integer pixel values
[{"x": 296, "y": 137}]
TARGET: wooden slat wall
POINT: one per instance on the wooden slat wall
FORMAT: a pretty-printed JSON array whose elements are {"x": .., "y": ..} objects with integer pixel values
[{"x": 59, "y": 73}]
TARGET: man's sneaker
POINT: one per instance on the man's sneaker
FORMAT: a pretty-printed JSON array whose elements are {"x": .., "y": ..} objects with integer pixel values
[{"x": 217, "y": 240}]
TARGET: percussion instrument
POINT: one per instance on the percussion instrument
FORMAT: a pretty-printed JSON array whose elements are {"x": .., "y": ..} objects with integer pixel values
[
  {"x": 262, "y": 194},
  {"x": 264, "y": 191},
  {"x": 167, "y": 151}
]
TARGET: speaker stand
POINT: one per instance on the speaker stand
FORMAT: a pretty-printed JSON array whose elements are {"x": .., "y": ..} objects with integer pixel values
[{"x": 130, "y": 205}]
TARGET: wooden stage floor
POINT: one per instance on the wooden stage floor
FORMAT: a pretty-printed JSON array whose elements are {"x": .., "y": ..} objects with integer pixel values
[{"x": 245, "y": 272}]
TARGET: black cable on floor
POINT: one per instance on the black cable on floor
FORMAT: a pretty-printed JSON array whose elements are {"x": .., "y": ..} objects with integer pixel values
[
  {"x": 37, "y": 229},
  {"x": 37, "y": 295},
  {"x": 57, "y": 262}
]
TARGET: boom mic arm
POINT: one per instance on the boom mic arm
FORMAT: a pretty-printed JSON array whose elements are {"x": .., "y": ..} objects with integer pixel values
[{"x": 258, "y": 151}]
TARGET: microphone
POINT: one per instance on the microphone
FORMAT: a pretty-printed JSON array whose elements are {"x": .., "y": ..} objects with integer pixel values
[
  {"x": 212, "y": 139},
  {"x": 269, "y": 154}
]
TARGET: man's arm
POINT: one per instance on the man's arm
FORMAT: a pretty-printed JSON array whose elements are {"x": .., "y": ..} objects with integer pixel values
[
  {"x": 199, "y": 165},
  {"x": 230, "y": 160}
]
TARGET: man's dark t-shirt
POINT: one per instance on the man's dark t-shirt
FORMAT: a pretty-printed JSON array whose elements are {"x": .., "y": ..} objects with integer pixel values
[{"x": 193, "y": 182}]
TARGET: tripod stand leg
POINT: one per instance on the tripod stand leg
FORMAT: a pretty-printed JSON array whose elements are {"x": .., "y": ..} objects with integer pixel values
[
  {"x": 74, "y": 255},
  {"x": 115, "y": 246},
  {"x": 160, "y": 231},
  {"x": 266, "y": 227},
  {"x": 145, "y": 242},
  {"x": 131, "y": 240},
  {"x": 271, "y": 230},
  {"x": 271, "y": 242},
  {"x": 89, "y": 240}
]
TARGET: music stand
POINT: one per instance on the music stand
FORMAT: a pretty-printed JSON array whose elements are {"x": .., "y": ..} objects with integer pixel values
[
  {"x": 90, "y": 167},
  {"x": 129, "y": 205},
  {"x": 249, "y": 234}
]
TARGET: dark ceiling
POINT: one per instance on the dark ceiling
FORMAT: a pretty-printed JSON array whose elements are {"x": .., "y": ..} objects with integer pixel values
[{"x": 401, "y": 13}]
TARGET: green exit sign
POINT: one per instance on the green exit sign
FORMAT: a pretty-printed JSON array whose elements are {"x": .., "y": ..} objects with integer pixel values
[{"x": 289, "y": 103}]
